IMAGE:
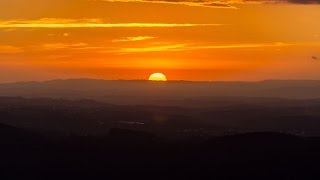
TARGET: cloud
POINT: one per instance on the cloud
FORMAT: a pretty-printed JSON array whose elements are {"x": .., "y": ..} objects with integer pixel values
[
  {"x": 59, "y": 34},
  {"x": 190, "y": 47},
  {"x": 57, "y": 46},
  {"x": 7, "y": 49},
  {"x": 151, "y": 48},
  {"x": 231, "y": 4},
  {"x": 87, "y": 23},
  {"x": 286, "y": 1},
  {"x": 165, "y": 48},
  {"x": 136, "y": 38},
  {"x": 168, "y": 47},
  {"x": 194, "y": 3},
  {"x": 80, "y": 47},
  {"x": 305, "y": 1}
]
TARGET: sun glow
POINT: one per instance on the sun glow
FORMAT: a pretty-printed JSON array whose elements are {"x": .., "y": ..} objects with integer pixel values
[{"x": 157, "y": 77}]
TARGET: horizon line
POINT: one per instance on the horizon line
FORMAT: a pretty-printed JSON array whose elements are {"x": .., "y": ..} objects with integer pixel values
[{"x": 145, "y": 80}]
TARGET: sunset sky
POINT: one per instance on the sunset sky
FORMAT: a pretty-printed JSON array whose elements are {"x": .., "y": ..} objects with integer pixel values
[{"x": 197, "y": 40}]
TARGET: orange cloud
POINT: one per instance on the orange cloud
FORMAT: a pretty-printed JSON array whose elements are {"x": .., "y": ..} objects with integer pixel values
[
  {"x": 137, "y": 38},
  {"x": 157, "y": 48},
  {"x": 10, "y": 49},
  {"x": 189, "y": 47},
  {"x": 88, "y": 23},
  {"x": 216, "y": 3},
  {"x": 56, "y": 46},
  {"x": 199, "y": 3}
]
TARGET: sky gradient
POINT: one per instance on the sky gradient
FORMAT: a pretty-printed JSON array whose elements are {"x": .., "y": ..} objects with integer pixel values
[{"x": 186, "y": 40}]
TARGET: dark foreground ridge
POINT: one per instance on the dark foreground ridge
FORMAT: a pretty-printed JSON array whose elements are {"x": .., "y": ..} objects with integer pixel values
[
  {"x": 129, "y": 154},
  {"x": 215, "y": 138}
]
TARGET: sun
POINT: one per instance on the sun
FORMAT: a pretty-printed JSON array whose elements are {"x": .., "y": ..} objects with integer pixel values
[{"x": 157, "y": 77}]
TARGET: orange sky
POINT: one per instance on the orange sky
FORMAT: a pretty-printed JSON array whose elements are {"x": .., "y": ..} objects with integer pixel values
[{"x": 186, "y": 40}]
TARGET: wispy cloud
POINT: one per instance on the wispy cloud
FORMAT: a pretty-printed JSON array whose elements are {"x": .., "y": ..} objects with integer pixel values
[
  {"x": 194, "y": 3},
  {"x": 190, "y": 47},
  {"x": 305, "y": 1},
  {"x": 231, "y": 4},
  {"x": 57, "y": 46},
  {"x": 136, "y": 38},
  {"x": 81, "y": 47},
  {"x": 165, "y": 48},
  {"x": 178, "y": 47},
  {"x": 88, "y": 23},
  {"x": 6, "y": 49}
]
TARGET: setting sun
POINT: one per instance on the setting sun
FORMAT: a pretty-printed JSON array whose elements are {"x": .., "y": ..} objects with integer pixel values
[{"x": 157, "y": 77}]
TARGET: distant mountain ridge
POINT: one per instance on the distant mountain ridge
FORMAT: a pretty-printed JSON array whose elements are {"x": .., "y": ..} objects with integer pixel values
[{"x": 131, "y": 92}]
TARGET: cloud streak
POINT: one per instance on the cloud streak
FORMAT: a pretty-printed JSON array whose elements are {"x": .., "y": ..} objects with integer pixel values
[
  {"x": 231, "y": 4},
  {"x": 57, "y": 46},
  {"x": 7, "y": 49},
  {"x": 132, "y": 39},
  {"x": 194, "y": 3},
  {"x": 88, "y": 23},
  {"x": 305, "y": 1},
  {"x": 171, "y": 47},
  {"x": 189, "y": 47}
]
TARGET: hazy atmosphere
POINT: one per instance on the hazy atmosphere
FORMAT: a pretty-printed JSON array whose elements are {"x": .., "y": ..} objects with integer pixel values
[{"x": 186, "y": 40}]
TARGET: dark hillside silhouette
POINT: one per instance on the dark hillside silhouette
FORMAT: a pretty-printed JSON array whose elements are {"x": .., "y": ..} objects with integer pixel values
[
  {"x": 91, "y": 129},
  {"x": 126, "y": 153},
  {"x": 220, "y": 117}
]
